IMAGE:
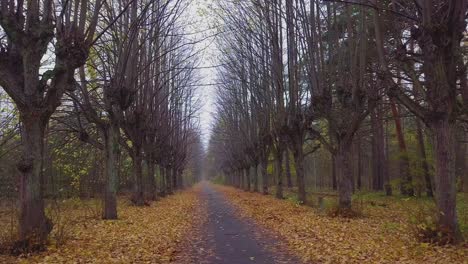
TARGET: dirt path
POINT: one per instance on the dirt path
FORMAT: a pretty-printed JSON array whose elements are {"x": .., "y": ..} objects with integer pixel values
[{"x": 228, "y": 239}]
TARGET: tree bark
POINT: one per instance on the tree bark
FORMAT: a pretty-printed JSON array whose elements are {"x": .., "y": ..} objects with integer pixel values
[
  {"x": 163, "y": 183},
  {"x": 33, "y": 223},
  {"x": 299, "y": 163},
  {"x": 111, "y": 145},
  {"x": 344, "y": 175},
  {"x": 378, "y": 150},
  {"x": 445, "y": 182},
  {"x": 168, "y": 178},
  {"x": 247, "y": 178},
  {"x": 180, "y": 179},
  {"x": 288, "y": 168},
  {"x": 264, "y": 168},
  {"x": 255, "y": 179},
  {"x": 279, "y": 173},
  {"x": 138, "y": 197},
  {"x": 152, "y": 182},
  {"x": 174, "y": 179}
]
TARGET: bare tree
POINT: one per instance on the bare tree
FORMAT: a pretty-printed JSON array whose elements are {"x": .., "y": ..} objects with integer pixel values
[{"x": 32, "y": 28}]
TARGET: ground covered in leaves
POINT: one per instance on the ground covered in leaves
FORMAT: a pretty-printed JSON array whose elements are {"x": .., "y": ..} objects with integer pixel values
[
  {"x": 382, "y": 235},
  {"x": 150, "y": 234}
]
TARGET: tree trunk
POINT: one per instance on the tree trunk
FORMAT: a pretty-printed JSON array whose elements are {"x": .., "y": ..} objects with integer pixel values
[
  {"x": 235, "y": 180},
  {"x": 445, "y": 178},
  {"x": 33, "y": 223},
  {"x": 180, "y": 179},
  {"x": 406, "y": 179},
  {"x": 174, "y": 179},
  {"x": 240, "y": 175},
  {"x": 279, "y": 173},
  {"x": 378, "y": 150},
  {"x": 247, "y": 178},
  {"x": 138, "y": 198},
  {"x": 299, "y": 163},
  {"x": 168, "y": 179},
  {"x": 163, "y": 183},
  {"x": 344, "y": 175},
  {"x": 288, "y": 168},
  {"x": 152, "y": 181},
  {"x": 111, "y": 145},
  {"x": 334, "y": 181},
  {"x": 264, "y": 168},
  {"x": 244, "y": 182},
  {"x": 422, "y": 153},
  {"x": 255, "y": 179}
]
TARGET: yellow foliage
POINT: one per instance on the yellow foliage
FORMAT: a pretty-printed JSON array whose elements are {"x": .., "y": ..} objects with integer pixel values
[
  {"x": 149, "y": 234},
  {"x": 382, "y": 236}
]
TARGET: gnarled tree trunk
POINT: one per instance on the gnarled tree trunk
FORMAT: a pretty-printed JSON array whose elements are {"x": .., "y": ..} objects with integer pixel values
[
  {"x": 138, "y": 197},
  {"x": 344, "y": 175},
  {"x": 445, "y": 182},
  {"x": 279, "y": 172},
  {"x": 33, "y": 223},
  {"x": 111, "y": 149},
  {"x": 298, "y": 153}
]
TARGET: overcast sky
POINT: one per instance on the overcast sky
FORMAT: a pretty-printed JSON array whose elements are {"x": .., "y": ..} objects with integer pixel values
[{"x": 201, "y": 19}]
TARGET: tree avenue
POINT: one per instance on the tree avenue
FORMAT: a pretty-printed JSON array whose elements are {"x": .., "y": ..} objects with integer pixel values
[
  {"x": 98, "y": 70},
  {"x": 309, "y": 76},
  {"x": 114, "y": 115}
]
